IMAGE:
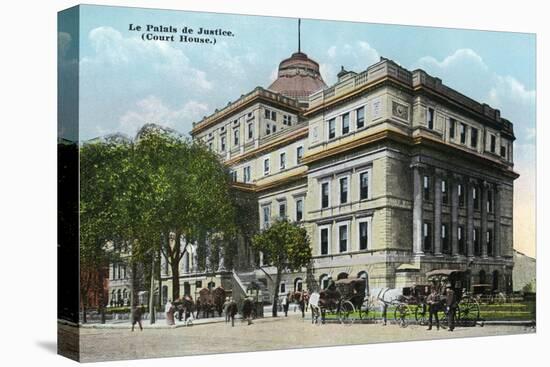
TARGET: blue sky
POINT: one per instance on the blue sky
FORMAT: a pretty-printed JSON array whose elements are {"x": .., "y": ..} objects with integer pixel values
[{"x": 126, "y": 82}]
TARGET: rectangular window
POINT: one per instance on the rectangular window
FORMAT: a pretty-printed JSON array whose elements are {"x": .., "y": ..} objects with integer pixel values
[
  {"x": 246, "y": 174},
  {"x": 426, "y": 187},
  {"x": 287, "y": 120},
  {"x": 266, "y": 166},
  {"x": 282, "y": 288},
  {"x": 270, "y": 115},
  {"x": 343, "y": 190},
  {"x": 493, "y": 144},
  {"x": 222, "y": 144},
  {"x": 236, "y": 137},
  {"x": 363, "y": 235},
  {"x": 331, "y": 128},
  {"x": 233, "y": 176},
  {"x": 490, "y": 249},
  {"x": 210, "y": 146},
  {"x": 250, "y": 131},
  {"x": 461, "y": 199},
  {"x": 452, "y": 127},
  {"x": 324, "y": 241},
  {"x": 503, "y": 151},
  {"x": 299, "y": 154},
  {"x": 446, "y": 249},
  {"x": 477, "y": 245},
  {"x": 473, "y": 138},
  {"x": 324, "y": 195},
  {"x": 282, "y": 160},
  {"x": 461, "y": 241},
  {"x": 274, "y": 115},
  {"x": 475, "y": 196},
  {"x": 345, "y": 123},
  {"x": 267, "y": 129},
  {"x": 282, "y": 210},
  {"x": 343, "y": 237},
  {"x": 489, "y": 201},
  {"x": 299, "y": 209},
  {"x": 267, "y": 114},
  {"x": 444, "y": 192},
  {"x": 360, "y": 117},
  {"x": 364, "y": 185},
  {"x": 427, "y": 237},
  {"x": 266, "y": 211},
  {"x": 463, "y": 129},
  {"x": 274, "y": 129},
  {"x": 431, "y": 115}
]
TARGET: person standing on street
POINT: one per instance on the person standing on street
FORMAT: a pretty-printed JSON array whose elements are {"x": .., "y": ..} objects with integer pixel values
[
  {"x": 138, "y": 313},
  {"x": 433, "y": 302},
  {"x": 451, "y": 306},
  {"x": 285, "y": 303}
]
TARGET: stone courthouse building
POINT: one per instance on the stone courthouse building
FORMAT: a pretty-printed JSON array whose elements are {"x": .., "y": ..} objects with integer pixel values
[{"x": 392, "y": 172}]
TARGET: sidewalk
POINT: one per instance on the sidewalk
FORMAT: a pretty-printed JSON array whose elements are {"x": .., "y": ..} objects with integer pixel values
[{"x": 161, "y": 324}]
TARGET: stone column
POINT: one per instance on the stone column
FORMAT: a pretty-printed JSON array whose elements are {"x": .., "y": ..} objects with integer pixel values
[
  {"x": 456, "y": 179},
  {"x": 186, "y": 261},
  {"x": 437, "y": 211},
  {"x": 195, "y": 265},
  {"x": 221, "y": 263},
  {"x": 484, "y": 189},
  {"x": 470, "y": 217},
  {"x": 418, "y": 169},
  {"x": 496, "y": 230}
]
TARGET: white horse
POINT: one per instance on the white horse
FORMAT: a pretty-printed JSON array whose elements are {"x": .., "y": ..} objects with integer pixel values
[{"x": 381, "y": 298}]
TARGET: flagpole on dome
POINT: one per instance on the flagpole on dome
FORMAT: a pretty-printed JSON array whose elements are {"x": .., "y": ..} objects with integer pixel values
[{"x": 299, "y": 23}]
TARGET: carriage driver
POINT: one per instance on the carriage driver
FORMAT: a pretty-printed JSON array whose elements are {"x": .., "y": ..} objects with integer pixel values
[{"x": 451, "y": 306}]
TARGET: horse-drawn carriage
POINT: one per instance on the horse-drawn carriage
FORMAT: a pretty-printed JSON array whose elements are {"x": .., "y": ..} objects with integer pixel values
[
  {"x": 467, "y": 307},
  {"x": 344, "y": 298}
]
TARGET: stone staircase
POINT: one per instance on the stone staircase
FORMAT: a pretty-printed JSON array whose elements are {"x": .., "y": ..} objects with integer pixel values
[{"x": 243, "y": 282}]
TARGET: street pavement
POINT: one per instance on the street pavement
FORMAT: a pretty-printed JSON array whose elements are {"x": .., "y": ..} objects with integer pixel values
[{"x": 264, "y": 334}]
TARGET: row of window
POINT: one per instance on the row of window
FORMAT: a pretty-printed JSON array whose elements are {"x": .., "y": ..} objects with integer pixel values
[
  {"x": 343, "y": 185},
  {"x": 445, "y": 240},
  {"x": 282, "y": 160},
  {"x": 345, "y": 122},
  {"x": 427, "y": 184},
  {"x": 118, "y": 271},
  {"x": 463, "y": 128},
  {"x": 344, "y": 245},
  {"x": 282, "y": 211}
]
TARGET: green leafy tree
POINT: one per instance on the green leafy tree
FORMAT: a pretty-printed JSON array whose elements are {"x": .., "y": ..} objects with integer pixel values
[{"x": 287, "y": 247}]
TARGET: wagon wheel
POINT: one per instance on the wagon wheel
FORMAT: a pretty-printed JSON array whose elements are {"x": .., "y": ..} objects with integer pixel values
[
  {"x": 401, "y": 314},
  {"x": 468, "y": 311},
  {"x": 421, "y": 314},
  {"x": 346, "y": 313}
]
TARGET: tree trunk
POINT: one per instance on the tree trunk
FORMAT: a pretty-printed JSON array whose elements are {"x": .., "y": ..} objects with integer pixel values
[
  {"x": 175, "y": 280},
  {"x": 151, "y": 291},
  {"x": 132, "y": 290},
  {"x": 276, "y": 293}
]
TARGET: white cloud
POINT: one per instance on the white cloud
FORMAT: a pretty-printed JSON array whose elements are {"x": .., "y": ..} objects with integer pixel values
[
  {"x": 355, "y": 57},
  {"x": 153, "y": 110},
  {"x": 126, "y": 54}
]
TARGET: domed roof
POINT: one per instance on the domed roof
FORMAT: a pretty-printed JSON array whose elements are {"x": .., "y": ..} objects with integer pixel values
[{"x": 298, "y": 77}]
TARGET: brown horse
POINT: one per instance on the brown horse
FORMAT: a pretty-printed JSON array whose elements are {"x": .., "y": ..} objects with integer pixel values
[{"x": 218, "y": 299}]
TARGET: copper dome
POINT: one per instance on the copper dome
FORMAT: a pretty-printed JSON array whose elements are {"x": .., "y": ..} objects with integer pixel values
[{"x": 298, "y": 77}]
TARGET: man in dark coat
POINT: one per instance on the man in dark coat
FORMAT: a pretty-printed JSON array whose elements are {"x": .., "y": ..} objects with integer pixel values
[
  {"x": 451, "y": 306},
  {"x": 433, "y": 302},
  {"x": 138, "y": 313}
]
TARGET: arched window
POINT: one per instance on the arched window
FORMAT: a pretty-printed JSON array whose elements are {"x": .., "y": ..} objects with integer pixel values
[
  {"x": 118, "y": 295},
  {"x": 342, "y": 275},
  {"x": 125, "y": 293},
  {"x": 495, "y": 280},
  {"x": 482, "y": 279},
  {"x": 211, "y": 285},
  {"x": 164, "y": 294},
  {"x": 324, "y": 281},
  {"x": 298, "y": 284}
]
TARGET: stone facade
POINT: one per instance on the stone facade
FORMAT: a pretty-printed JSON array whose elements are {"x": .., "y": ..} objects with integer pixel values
[{"x": 392, "y": 173}]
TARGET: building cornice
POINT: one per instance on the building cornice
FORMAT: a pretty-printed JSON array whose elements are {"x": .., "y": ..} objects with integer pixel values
[
  {"x": 259, "y": 94},
  {"x": 272, "y": 145}
]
